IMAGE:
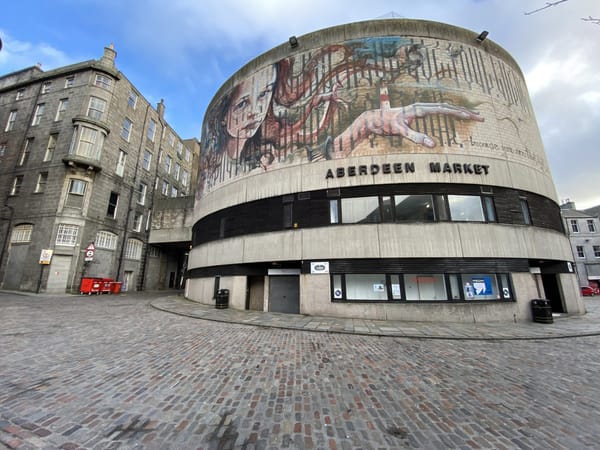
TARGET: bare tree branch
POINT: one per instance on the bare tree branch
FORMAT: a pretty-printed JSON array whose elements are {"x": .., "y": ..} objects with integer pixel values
[
  {"x": 592, "y": 20},
  {"x": 548, "y": 5}
]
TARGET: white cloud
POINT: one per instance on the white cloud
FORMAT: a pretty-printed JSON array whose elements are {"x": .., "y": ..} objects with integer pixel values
[{"x": 17, "y": 55}]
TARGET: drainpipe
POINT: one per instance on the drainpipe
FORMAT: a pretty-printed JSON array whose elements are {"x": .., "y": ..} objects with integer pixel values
[{"x": 131, "y": 194}]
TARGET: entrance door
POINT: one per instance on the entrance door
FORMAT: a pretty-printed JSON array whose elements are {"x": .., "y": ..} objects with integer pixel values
[
  {"x": 58, "y": 276},
  {"x": 128, "y": 279},
  {"x": 284, "y": 294},
  {"x": 256, "y": 293},
  {"x": 552, "y": 291}
]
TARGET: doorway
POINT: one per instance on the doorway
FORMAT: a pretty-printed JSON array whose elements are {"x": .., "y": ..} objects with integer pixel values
[
  {"x": 255, "y": 298},
  {"x": 552, "y": 292},
  {"x": 284, "y": 294},
  {"x": 128, "y": 279},
  {"x": 58, "y": 275}
]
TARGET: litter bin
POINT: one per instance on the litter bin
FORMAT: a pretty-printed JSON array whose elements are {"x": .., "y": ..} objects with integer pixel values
[
  {"x": 541, "y": 310},
  {"x": 90, "y": 285},
  {"x": 222, "y": 300},
  {"x": 116, "y": 287},
  {"x": 106, "y": 285}
]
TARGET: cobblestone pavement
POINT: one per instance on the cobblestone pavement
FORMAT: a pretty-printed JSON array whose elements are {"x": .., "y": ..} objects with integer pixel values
[{"x": 104, "y": 372}]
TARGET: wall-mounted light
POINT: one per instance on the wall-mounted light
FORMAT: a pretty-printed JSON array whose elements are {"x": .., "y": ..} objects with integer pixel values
[
  {"x": 482, "y": 36},
  {"x": 293, "y": 41}
]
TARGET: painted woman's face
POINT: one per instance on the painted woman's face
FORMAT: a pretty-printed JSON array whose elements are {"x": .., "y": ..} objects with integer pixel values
[{"x": 251, "y": 103}]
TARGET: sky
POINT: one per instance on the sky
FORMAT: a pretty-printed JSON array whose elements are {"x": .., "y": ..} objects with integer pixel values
[{"x": 182, "y": 51}]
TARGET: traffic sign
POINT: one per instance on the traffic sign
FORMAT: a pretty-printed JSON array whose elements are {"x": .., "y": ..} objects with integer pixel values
[{"x": 89, "y": 252}]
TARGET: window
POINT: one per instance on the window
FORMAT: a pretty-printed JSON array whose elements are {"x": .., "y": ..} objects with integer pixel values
[
  {"x": 67, "y": 234},
  {"x": 597, "y": 251},
  {"x": 126, "y": 129},
  {"x": 184, "y": 178},
  {"x": 69, "y": 81},
  {"x": 174, "y": 191},
  {"x": 425, "y": 287},
  {"x": 12, "y": 117},
  {"x": 20, "y": 94},
  {"x": 132, "y": 99},
  {"x": 46, "y": 87},
  {"x": 154, "y": 251},
  {"x": 580, "y": 252},
  {"x": 366, "y": 287},
  {"x": 63, "y": 103},
  {"x": 360, "y": 210},
  {"x": 103, "y": 81},
  {"x": 422, "y": 287},
  {"x": 106, "y": 239},
  {"x": 151, "y": 130},
  {"x": 489, "y": 208},
  {"x": 168, "y": 162},
  {"x": 41, "y": 182},
  {"x": 89, "y": 142},
  {"x": 3, "y": 148},
  {"x": 171, "y": 139},
  {"x": 591, "y": 226},
  {"x": 574, "y": 225},
  {"x": 525, "y": 211},
  {"x": 179, "y": 148},
  {"x": 26, "y": 151},
  {"x": 465, "y": 208},
  {"x": 165, "y": 188},
  {"x": 76, "y": 193},
  {"x": 413, "y": 208},
  {"x": 176, "y": 171},
  {"x": 141, "y": 193},
  {"x": 480, "y": 287},
  {"x": 38, "y": 114},
  {"x": 334, "y": 211},
  {"x": 113, "y": 202},
  {"x": 120, "y": 170},
  {"x": 133, "y": 249},
  {"x": 16, "y": 185},
  {"x": 96, "y": 108},
  {"x": 137, "y": 221},
  {"x": 21, "y": 233},
  {"x": 147, "y": 160},
  {"x": 188, "y": 155},
  {"x": 50, "y": 147}
]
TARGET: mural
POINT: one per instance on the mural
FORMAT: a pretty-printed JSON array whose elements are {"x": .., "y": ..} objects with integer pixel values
[{"x": 367, "y": 96}]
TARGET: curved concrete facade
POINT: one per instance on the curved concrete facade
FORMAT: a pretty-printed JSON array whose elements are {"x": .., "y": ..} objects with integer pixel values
[{"x": 389, "y": 169}]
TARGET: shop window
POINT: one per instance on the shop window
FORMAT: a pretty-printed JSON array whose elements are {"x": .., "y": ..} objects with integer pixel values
[
  {"x": 425, "y": 287},
  {"x": 396, "y": 287},
  {"x": 480, "y": 287},
  {"x": 421, "y": 287},
  {"x": 366, "y": 287}
]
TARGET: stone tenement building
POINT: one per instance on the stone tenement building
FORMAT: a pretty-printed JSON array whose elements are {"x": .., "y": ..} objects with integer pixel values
[
  {"x": 386, "y": 169},
  {"x": 84, "y": 157}
]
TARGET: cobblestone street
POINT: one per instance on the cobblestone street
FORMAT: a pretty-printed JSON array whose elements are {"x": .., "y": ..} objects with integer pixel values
[{"x": 104, "y": 372}]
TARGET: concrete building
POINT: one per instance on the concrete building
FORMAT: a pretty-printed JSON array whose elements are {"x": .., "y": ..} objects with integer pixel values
[
  {"x": 83, "y": 159},
  {"x": 388, "y": 169},
  {"x": 582, "y": 228}
]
